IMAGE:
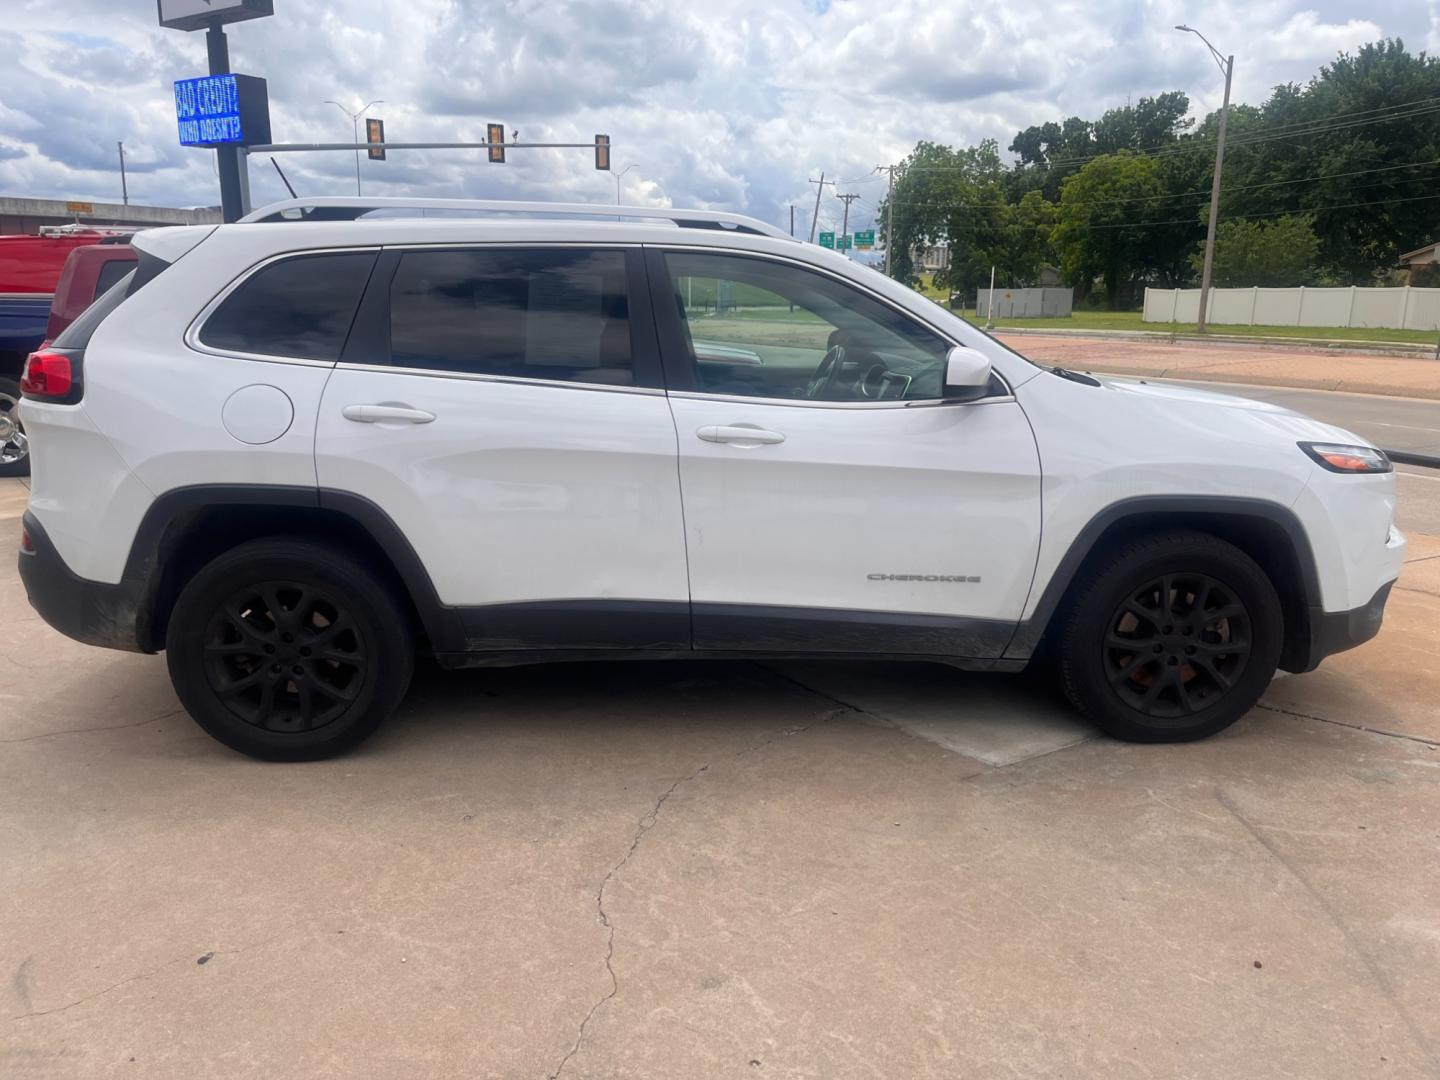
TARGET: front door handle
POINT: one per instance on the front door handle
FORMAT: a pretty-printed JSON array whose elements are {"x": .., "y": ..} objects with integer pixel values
[
  {"x": 371, "y": 414},
  {"x": 739, "y": 435}
]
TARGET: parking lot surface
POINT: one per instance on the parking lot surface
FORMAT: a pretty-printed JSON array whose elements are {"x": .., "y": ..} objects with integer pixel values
[{"x": 722, "y": 869}]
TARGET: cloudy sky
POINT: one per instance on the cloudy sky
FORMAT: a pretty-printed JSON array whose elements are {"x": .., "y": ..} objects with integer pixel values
[{"x": 727, "y": 104}]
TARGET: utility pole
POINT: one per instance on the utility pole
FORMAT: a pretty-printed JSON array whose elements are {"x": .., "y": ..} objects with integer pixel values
[
  {"x": 889, "y": 215},
  {"x": 845, "y": 226},
  {"x": 819, "y": 187},
  {"x": 792, "y": 219},
  {"x": 1227, "y": 68},
  {"x": 124, "y": 188}
]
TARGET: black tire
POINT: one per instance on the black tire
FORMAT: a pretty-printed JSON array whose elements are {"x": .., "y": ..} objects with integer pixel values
[
  {"x": 9, "y": 445},
  {"x": 309, "y": 683},
  {"x": 1171, "y": 637}
]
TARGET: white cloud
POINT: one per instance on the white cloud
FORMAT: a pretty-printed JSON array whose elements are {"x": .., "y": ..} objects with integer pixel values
[
  {"x": 1306, "y": 37},
  {"x": 732, "y": 104}
]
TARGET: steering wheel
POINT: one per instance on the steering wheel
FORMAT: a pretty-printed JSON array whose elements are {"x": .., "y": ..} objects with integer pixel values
[{"x": 825, "y": 372}]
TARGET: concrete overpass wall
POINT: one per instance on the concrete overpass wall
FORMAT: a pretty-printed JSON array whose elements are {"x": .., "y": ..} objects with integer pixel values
[{"x": 19, "y": 215}]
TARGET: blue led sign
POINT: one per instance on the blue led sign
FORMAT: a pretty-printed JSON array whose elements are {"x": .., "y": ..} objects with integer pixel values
[{"x": 222, "y": 110}]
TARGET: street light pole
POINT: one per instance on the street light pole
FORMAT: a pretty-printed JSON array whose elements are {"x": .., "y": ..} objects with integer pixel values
[
  {"x": 355, "y": 131},
  {"x": 618, "y": 175},
  {"x": 1227, "y": 68},
  {"x": 124, "y": 187}
]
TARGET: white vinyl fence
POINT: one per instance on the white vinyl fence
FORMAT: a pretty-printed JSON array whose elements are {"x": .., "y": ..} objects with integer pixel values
[
  {"x": 1392, "y": 309},
  {"x": 1026, "y": 303}
]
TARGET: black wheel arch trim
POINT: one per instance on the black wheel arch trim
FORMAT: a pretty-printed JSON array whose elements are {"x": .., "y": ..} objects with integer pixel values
[
  {"x": 457, "y": 630},
  {"x": 1029, "y": 632},
  {"x": 157, "y": 535}
]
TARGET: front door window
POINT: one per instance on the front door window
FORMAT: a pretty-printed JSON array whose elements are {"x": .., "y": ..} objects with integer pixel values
[{"x": 758, "y": 328}]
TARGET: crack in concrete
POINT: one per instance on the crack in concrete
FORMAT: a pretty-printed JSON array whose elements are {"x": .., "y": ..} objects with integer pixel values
[
  {"x": 101, "y": 993},
  {"x": 647, "y": 822},
  {"x": 1353, "y": 727},
  {"x": 819, "y": 693},
  {"x": 1376, "y": 972},
  {"x": 194, "y": 957},
  {"x": 89, "y": 730}
]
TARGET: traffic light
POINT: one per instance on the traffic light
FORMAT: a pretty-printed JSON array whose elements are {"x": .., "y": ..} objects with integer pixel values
[
  {"x": 495, "y": 133},
  {"x": 602, "y": 152},
  {"x": 375, "y": 133}
]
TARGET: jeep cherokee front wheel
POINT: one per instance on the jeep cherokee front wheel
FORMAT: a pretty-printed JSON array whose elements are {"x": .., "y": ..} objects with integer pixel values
[
  {"x": 288, "y": 650},
  {"x": 1173, "y": 636}
]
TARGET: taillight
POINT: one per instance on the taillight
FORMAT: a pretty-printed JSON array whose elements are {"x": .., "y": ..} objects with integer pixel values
[
  {"x": 27, "y": 543},
  {"x": 49, "y": 376}
]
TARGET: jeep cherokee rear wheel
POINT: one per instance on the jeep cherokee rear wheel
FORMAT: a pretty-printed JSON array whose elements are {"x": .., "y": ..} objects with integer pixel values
[
  {"x": 1172, "y": 637},
  {"x": 288, "y": 650}
]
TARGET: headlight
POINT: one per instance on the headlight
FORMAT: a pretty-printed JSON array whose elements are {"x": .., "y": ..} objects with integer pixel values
[{"x": 1337, "y": 457}]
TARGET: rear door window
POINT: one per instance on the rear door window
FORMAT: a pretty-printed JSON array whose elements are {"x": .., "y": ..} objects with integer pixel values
[
  {"x": 300, "y": 307},
  {"x": 554, "y": 314}
]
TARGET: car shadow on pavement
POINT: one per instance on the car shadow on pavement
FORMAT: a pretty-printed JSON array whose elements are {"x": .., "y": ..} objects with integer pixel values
[{"x": 995, "y": 719}]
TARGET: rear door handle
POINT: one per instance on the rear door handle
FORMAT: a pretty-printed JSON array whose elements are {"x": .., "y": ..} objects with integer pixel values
[
  {"x": 370, "y": 414},
  {"x": 739, "y": 434}
]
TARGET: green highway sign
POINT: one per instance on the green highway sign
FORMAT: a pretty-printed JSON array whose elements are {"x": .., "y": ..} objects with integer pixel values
[
  {"x": 865, "y": 239},
  {"x": 845, "y": 242},
  {"x": 827, "y": 240}
]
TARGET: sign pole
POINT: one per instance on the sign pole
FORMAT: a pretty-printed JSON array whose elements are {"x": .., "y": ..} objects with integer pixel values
[{"x": 227, "y": 158}]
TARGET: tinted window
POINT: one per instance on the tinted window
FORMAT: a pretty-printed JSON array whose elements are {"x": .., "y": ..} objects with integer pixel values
[
  {"x": 298, "y": 307},
  {"x": 539, "y": 314},
  {"x": 111, "y": 271},
  {"x": 768, "y": 329}
]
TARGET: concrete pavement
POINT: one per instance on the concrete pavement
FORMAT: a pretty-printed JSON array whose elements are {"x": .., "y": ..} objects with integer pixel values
[
  {"x": 723, "y": 869},
  {"x": 1320, "y": 369}
]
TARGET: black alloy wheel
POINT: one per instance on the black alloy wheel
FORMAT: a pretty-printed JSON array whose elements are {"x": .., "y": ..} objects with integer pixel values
[
  {"x": 1168, "y": 637},
  {"x": 1177, "y": 644},
  {"x": 289, "y": 650},
  {"x": 285, "y": 656}
]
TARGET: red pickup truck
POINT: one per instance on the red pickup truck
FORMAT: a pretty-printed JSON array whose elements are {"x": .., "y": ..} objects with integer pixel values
[{"x": 45, "y": 282}]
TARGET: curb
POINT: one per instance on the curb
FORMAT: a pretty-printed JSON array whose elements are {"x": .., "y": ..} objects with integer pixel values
[
  {"x": 1339, "y": 386},
  {"x": 1404, "y": 457},
  {"x": 1279, "y": 344}
]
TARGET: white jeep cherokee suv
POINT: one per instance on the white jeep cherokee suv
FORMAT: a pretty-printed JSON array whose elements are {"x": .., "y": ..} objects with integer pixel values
[{"x": 295, "y": 451}]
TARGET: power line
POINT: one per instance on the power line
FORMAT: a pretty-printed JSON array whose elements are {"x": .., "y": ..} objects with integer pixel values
[
  {"x": 1234, "y": 217},
  {"x": 1224, "y": 191}
]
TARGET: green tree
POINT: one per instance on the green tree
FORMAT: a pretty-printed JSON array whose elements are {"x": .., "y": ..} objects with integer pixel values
[
  {"x": 957, "y": 197},
  {"x": 1099, "y": 223},
  {"x": 1277, "y": 253},
  {"x": 1354, "y": 148}
]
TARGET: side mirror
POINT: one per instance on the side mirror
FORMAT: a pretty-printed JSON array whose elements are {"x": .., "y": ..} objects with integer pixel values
[{"x": 967, "y": 373}]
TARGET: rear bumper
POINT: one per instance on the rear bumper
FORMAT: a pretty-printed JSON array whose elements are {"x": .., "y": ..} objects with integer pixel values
[
  {"x": 88, "y": 611},
  {"x": 1336, "y": 631}
]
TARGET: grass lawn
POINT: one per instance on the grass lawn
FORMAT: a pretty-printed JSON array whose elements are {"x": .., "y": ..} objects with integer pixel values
[
  {"x": 930, "y": 292},
  {"x": 1130, "y": 320}
]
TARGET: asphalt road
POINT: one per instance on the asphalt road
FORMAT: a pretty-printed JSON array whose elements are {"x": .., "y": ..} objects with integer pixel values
[{"x": 1395, "y": 423}]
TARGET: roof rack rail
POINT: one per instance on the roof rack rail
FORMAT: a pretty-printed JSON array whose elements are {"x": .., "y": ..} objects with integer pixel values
[{"x": 340, "y": 208}]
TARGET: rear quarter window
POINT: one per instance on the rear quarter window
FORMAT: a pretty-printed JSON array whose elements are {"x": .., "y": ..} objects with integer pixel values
[
  {"x": 299, "y": 307},
  {"x": 77, "y": 335}
]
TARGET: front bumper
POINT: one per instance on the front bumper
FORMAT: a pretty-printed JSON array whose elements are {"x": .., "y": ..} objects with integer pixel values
[
  {"x": 88, "y": 611},
  {"x": 1336, "y": 631}
]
